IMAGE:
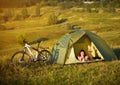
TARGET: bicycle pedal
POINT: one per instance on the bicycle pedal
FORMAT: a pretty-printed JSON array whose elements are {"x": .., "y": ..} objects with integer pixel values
[
  {"x": 35, "y": 60},
  {"x": 21, "y": 61},
  {"x": 44, "y": 59}
]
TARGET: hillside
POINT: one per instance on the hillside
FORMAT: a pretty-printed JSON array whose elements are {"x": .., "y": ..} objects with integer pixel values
[
  {"x": 36, "y": 27},
  {"x": 104, "y": 24}
]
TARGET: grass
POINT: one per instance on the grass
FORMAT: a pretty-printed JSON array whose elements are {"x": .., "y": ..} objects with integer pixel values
[
  {"x": 106, "y": 25},
  {"x": 85, "y": 74}
]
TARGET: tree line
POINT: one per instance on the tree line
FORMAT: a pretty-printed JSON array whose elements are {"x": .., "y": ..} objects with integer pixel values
[{"x": 68, "y": 3}]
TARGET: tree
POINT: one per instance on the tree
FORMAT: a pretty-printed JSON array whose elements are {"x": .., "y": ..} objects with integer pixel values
[
  {"x": 53, "y": 19},
  {"x": 24, "y": 13}
]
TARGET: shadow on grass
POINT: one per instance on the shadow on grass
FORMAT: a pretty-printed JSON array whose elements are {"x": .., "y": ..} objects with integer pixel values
[{"x": 117, "y": 52}]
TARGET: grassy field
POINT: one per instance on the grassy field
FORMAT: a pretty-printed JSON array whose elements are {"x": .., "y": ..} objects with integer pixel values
[
  {"x": 106, "y": 25},
  {"x": 105, "y": 73}
]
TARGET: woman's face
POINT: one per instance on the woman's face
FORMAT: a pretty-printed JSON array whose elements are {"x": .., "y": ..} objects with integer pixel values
[{"x": 82, "y": 53}]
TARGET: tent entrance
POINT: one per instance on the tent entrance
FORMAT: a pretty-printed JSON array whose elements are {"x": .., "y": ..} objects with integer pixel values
[
  {"x": 82, "y": 44},
  {"x": 86, "y": 44}
]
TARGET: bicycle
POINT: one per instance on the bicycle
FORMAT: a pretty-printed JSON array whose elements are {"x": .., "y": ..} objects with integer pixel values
[{"x": 29, "y": 54}]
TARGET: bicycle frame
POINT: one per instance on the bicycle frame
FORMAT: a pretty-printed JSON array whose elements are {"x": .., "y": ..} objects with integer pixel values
[{"x": 27, "y": 46}]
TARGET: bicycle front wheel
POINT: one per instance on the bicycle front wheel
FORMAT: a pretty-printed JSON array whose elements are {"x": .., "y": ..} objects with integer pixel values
[
  {"x": 45, "y": 56},
  {"x": 20, "y": 58}
]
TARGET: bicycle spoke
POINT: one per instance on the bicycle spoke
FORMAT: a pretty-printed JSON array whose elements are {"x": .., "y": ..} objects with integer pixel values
[
  {"x": 20, "y": 58},
  {"x": 45, "y": 56}
]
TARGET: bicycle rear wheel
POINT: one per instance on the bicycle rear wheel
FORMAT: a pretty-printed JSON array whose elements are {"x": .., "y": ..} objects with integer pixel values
[
  {"x": 45, "y": 56},
  {"x": 20, "y": 58}
]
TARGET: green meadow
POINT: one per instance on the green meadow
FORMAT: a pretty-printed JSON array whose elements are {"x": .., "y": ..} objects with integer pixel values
[{"x": 104, "y": 24}]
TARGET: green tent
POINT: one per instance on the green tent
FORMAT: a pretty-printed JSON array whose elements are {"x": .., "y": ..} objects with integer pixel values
[{"x": 67, "y": 48}]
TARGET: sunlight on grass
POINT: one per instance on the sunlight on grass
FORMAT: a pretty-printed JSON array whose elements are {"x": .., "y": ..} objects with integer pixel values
[
  {"x": 104, "y": 24},
  {"x": 93, "y": 73}
]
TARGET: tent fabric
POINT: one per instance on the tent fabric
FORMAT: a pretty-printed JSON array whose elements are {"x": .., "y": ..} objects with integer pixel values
[
  {"x": 105, "y": 50},
  {"x": 60, "y": 49},
  {"x": 68, "y": 47}
]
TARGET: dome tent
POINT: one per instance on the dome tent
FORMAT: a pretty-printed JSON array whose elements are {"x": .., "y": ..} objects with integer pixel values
[{"x": 68, "y": 47}]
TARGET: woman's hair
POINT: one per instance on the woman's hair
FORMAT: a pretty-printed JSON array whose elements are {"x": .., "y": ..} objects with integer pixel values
[{"x": 82, "y": 51}]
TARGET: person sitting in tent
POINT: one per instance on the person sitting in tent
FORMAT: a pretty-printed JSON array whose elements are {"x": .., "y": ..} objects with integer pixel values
[{"x": 82, "y": 56}]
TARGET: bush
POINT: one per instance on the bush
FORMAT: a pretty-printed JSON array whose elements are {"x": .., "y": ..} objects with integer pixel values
[
  {"x": 53, "y": 19},
  {"x": 79, "y": 3},
  {"x": 109, "y": 10},
  {"x": 52, "y": 2},
  {"x": 25, "y": 13},
  {"x": 43, "y": 3},
  {"x": 96, "y": 10},
  {"x": 5, "y": 19},
  {"x": 88, "y": 8},
  {"x": 18, "y": 17},
  {"x": 7, "y": 15},
  {"x": 37, "y": 10},
  {"x": 21, "y": 38},
  {"x": 112, "y": 10},
  {"x": 66, "y": 4}
]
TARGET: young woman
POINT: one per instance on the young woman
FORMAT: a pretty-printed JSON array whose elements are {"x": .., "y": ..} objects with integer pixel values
[{"x": 82, "y": 56}]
